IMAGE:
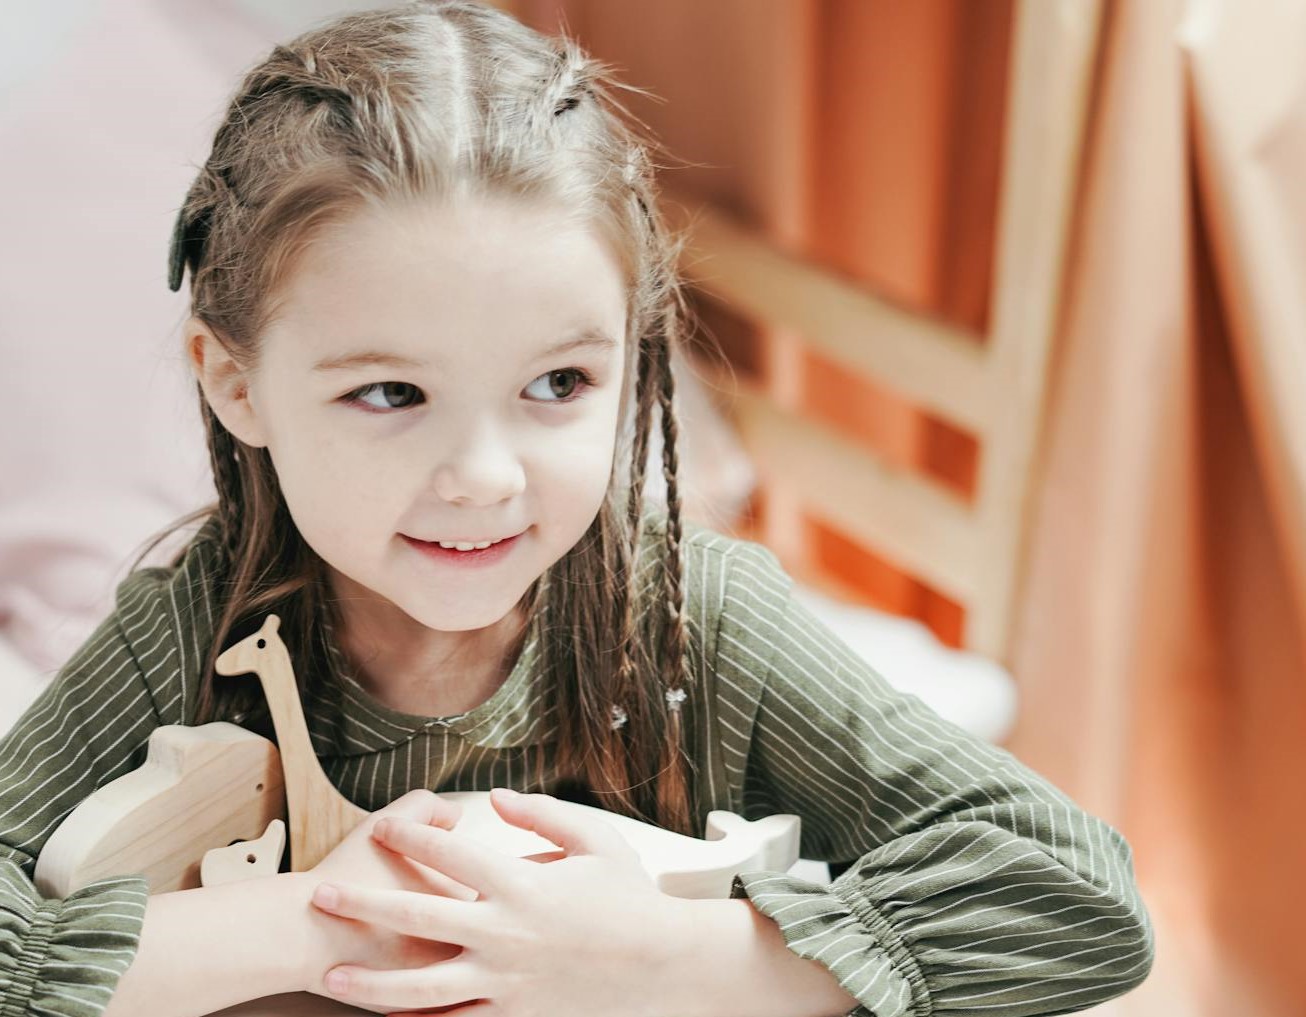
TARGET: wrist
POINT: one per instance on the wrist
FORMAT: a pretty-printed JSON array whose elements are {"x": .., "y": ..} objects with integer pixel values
[
  {"x": 727, "y": 957},
  {"x": 312, "y": 943},
  {"x": 702, "y": 936}
]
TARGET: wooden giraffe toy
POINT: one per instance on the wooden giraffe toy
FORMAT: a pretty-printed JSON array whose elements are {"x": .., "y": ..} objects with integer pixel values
[{"x": 320, "y": 816}]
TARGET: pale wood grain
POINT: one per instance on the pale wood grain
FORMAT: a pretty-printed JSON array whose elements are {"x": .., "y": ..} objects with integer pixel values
[{"x": 320, "y": 816}]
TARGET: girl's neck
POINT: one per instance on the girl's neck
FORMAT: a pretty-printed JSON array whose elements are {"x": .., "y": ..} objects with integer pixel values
[{"x": 423, "y": 671}]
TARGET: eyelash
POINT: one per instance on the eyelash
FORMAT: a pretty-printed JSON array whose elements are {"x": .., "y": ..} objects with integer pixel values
[{"x": 585, "y": 381}]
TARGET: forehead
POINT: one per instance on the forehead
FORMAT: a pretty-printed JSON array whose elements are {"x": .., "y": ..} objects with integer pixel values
[{"x": 420, "y": 275}]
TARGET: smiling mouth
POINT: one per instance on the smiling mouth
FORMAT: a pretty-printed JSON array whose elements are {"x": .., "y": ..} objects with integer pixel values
[
  {"x": 464, "y": 545},
  {"x": 459, "y": 549}
]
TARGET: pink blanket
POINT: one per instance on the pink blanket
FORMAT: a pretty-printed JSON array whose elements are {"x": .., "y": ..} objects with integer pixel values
[{"x": 105, "y": 111}]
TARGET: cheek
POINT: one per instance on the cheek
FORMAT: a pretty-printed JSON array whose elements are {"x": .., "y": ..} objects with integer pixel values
[
  {"x": 332, "y": 486},
  {"x": 576, "y": 471}
]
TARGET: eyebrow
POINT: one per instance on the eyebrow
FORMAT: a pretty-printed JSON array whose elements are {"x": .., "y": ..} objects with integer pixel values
[{"x": 590, "y": 338}]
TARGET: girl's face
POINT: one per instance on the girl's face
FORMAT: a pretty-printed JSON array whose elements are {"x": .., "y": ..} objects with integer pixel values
[{"x": 414, "y": 386}]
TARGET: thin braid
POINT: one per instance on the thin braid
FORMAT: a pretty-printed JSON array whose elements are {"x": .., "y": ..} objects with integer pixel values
[
  {"x": 673, "y": 791},
  {"x": 624, "y": 587},
  {"x": 226, "y": 477},
  {"x": 625, "y": 581},
  {"x": 644, "y": 395}
]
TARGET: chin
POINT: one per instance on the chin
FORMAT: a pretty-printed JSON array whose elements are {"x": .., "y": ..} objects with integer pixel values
[{"x": 459, "y": 618}]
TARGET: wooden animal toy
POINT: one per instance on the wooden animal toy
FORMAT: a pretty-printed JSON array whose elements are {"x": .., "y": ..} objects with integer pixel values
[
  {"x": 680, "y": 866},
  {"x": 245, "y": 859},
  {"x": 320, "y": 816},
  {"x": 199, "y": 788}
]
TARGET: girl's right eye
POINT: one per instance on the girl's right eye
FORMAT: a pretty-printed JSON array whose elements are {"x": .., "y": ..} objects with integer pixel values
[{"x": 388, "y": 390}]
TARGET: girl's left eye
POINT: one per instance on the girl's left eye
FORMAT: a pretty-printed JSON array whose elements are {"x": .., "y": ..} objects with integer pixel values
[
  {"x": 580, "y": 381},
  {"x": 387, "y": 389}
]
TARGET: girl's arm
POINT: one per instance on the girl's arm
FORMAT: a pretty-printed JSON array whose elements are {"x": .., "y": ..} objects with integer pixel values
[
  {"x": 191, "y": 952},
  {"x": 90, "y": 725},
  {"x": 964, "y": 880},
  {"x": 206, "y": 949}
]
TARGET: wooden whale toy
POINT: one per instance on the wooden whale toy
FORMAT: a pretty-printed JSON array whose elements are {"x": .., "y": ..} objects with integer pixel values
[{"x": 199, "y": 788}]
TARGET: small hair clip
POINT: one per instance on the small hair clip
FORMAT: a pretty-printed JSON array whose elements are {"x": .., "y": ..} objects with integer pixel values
[
  {"x": 618, "y": 716},
  {"x": 177, "y": 252},
  {"x": 188, "y": 235},
  {"x": 674, "y": 698}
]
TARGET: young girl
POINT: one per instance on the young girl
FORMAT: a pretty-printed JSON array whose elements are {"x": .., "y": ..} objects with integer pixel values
[{"x": 434, "y": 305}]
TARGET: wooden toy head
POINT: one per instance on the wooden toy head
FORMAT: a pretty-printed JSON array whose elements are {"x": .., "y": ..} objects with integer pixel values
[{"x": 252, "y": 652}]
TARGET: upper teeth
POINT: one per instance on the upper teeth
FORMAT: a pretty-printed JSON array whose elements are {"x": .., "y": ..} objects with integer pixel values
[{"x": 462, "y": 546}]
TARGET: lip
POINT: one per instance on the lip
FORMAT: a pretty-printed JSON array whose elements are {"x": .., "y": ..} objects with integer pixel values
[{"x": 481, "y": 556}]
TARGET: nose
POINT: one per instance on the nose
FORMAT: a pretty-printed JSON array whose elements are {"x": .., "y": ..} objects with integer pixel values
[{"x": 479, "y": 468}]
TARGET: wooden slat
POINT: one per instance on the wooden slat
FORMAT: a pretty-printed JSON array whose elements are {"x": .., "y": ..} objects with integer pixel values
[
  {"x": 919, "y": 525},
  {"x": 1055, "y": 42},
  {"x": 942, "y": 369},
  {"x": 996, "y": 393}
]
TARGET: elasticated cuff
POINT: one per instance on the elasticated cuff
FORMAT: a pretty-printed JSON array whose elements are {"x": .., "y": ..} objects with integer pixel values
[
  {"x": 76, "y": 949},
  {"x": 849, "y": 937}
]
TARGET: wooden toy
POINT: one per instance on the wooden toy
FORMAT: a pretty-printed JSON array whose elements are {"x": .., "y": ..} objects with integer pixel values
[
  {"x": 245, "y": 859},
  {"x": 199, "y": 788},
  {"x": 320, "y": 816}
]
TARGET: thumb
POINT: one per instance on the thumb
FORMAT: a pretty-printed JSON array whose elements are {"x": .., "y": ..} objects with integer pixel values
[{"x": 563, "y": 823}]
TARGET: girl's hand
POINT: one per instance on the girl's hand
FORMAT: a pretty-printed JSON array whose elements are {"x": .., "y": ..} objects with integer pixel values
[
  {"x": 586, "y": 933},
  {"x": 361, "y": 859}
]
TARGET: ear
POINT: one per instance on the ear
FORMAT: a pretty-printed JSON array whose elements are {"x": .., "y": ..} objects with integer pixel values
[{"x": 225, "y": 383}]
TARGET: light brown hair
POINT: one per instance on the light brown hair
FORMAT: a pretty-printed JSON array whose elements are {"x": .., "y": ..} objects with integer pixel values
[{"x": 362, "y": 110}]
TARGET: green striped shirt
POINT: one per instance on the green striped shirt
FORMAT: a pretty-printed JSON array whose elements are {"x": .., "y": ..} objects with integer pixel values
[{"x": 964, "y": 882}]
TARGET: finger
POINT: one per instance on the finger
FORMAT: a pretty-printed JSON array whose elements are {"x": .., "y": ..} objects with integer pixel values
[
  {"x": 423, "y": 806},
  {"x": 447, "y": 983},
  {"x": 424, "y": 915},
  {"x": 563, "y": 823},
  {"x": 457, "y": 857}
]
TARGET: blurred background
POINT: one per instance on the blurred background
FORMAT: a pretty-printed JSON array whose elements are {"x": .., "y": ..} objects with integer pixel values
[{"x": 1003, "y": 353}]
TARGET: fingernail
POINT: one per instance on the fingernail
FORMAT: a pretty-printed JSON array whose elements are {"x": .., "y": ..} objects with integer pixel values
[
  {"x": 337, "y": 981},
  {"x": 326, "y": 896},
  {"x": 507, "y": 792},
  {"x": 382, "y": 828}
]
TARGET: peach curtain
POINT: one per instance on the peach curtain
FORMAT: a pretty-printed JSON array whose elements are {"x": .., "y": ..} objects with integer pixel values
[
  {"x": 1160, "y": 643},
  {"x": 1160, "y": 648}
]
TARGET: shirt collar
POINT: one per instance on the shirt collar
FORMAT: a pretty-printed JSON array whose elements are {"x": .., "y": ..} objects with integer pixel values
[{"x": 347, "y": 720}]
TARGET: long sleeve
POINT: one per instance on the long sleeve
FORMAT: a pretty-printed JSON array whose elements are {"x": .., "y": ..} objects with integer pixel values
[
  {"x": 972, "y": 885},
  {"x": 88, "y": 727}
]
